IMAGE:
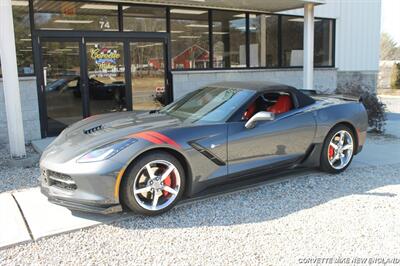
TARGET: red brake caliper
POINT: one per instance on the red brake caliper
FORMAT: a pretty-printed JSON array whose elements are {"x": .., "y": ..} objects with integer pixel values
[
  {"x": 167, "y": 182},
  {"x": 331, "y": 152}
]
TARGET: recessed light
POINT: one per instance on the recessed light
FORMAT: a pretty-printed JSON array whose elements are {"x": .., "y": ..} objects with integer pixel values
[
  {"x": 73, "y": 21},
  {"x": 300, "y": 20},
  {"x": 188, "y": 37},
  {"x": 187, "y": 11},
  {"x": 99, "y": 7},
  {"x": 197, "y": 25}
]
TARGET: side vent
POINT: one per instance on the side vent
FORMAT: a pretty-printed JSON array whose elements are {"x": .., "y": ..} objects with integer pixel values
[
  {"x": 214, "y": 158},
  {"x": 92, "y": 130}
]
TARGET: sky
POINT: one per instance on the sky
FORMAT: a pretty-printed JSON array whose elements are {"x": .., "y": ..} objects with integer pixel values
[{"x": 390, "y": 19}]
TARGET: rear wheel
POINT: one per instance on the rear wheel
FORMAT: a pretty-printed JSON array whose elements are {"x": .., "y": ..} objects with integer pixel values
[
  {"x": 337, "y": 152},
  {"x": 154, "y": 184}
]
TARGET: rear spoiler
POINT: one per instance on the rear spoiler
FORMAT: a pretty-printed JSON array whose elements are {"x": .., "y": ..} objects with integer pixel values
[{"x": 346, "y": 97}]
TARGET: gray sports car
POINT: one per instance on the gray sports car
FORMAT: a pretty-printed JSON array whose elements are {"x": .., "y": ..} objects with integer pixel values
[{"x": 217, "y": 135}]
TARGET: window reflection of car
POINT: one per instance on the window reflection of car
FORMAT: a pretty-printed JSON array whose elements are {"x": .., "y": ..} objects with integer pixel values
[
  {"x": 101, "y": 91},
  {"x": 61, "y": 85}
]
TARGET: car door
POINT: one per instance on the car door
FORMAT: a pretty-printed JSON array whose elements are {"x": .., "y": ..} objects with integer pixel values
[{"x": 282, "y": 140}]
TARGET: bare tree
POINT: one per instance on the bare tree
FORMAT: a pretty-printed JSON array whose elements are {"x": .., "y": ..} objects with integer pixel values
[{"x": 389, "y": 48}]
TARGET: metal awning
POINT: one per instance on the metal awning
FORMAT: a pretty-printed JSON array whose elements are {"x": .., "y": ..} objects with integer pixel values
[{"x": 248, "y": 5}]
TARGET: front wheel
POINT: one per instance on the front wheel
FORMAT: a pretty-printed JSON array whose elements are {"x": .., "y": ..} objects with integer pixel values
[
  {"x": 337, "y": 151},
  {"x": 154, "y": 184}
]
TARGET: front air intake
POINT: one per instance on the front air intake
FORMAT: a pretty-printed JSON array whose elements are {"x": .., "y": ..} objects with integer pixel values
[{"x": 60, "y": 180}]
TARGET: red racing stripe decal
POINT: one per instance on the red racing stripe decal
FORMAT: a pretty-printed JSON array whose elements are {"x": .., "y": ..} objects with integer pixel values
[
  {"x": 164, "y": 138},
  {"x": 147, "y": 137}
]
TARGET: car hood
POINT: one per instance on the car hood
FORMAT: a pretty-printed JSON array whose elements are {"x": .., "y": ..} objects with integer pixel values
[{"x": 99, "y": 130}]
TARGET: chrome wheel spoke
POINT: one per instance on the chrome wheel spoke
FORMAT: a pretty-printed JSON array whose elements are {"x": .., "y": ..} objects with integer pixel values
[
  {"x": 341, "y": 141},
  {"x": 150, "y": 171},
  {"x": 334, "y": 146},
  {"x": 142, "y": 190},
  {"x": 167, "y": 172},
  {"x": 156, "y": 196},
  {"x": 347, "y": 147},
  {"x": 335, "y": 158},
  {"x": 170, "y": 190}
]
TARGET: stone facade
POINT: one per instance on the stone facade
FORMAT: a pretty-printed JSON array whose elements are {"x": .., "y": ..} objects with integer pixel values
[
  {"x": 364, "y": 80},
  {"x": 186, "y": 81},
  {"x": 30, "y": 110}
]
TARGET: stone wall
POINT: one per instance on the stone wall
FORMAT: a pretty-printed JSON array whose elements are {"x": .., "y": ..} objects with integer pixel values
[
  {"x": 30, "y": 110},
  {"x": 364, "y": 80},
  {"x": 186, "y": 81}
]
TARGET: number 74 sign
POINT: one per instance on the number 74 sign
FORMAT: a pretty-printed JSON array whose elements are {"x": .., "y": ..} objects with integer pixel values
[{"x": 104, "y": 23}]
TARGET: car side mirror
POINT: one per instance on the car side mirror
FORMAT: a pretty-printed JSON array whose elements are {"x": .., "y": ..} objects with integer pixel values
[{"x": 260, "y": 116}]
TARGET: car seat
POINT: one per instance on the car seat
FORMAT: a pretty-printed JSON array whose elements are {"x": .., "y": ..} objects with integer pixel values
[
  {"x": 282, "y": 105},
  {"x": 250, "y": 111}
]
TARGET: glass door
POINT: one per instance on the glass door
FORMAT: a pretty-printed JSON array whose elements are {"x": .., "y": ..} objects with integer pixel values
[
  {"x": 61, "y": 84},
  {"x": 106, "y": 76},
  {"x": 148, "y": 75}
]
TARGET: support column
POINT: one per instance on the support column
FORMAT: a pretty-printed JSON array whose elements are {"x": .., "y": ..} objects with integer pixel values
[
  {"x": 9, "y": 69},
  {"x": 308, "y": 58}
]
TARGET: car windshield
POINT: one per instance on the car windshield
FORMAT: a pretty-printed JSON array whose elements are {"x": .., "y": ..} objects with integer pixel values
[{"x": 210, "y": 104}]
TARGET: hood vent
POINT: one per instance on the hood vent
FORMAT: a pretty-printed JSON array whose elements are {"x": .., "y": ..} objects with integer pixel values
[{"x": 93, "y": 129}]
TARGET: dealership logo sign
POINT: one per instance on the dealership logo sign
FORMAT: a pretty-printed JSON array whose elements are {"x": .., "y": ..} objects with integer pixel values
[{"x": 105, "y": 58}]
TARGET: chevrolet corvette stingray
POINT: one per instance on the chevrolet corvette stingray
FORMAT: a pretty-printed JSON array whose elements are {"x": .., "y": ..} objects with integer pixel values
[{"x": 148, "y": 161}]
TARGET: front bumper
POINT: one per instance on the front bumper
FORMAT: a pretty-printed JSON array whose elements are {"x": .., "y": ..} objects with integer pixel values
[
  {"x": 84, "y": 187},
  {"x": 72, "y": 204}
]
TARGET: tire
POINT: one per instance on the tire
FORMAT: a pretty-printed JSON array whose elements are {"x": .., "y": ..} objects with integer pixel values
[
  {"x": 331, "y": 158},
  {"x": 140, "y": 191}
]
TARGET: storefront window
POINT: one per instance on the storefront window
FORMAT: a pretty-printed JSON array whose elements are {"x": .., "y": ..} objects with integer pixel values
[
  {"x": 63, "y": 15},
  {"x": 142, "y": 18},
  {"x": 23, "y": 41},
  {"x": 229, "y": 39},
  {"x": 323, "y": 42},
  {"x": 292, "y": 41},
  {"x": 263, "y": 40},
  {"x": 189, "y": 38}
]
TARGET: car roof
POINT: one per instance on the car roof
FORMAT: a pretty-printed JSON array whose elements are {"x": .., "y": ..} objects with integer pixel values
[
  {"x": 252, "y": 85},
  {"x": 259, "y": 87}
]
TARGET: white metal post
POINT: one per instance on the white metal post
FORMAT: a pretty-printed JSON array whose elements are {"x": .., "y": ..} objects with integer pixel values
[
  {"x": 9, "y": 69},
  {"x": 308, "y": 57}
]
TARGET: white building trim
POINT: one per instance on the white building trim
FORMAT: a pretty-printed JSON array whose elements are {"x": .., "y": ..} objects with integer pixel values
[
  {"x": 308, "y": 46},
  {"x": 9, "y": 69}
]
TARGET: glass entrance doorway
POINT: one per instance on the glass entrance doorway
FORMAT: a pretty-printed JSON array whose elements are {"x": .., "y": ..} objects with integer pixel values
[
  {"x": 61, "y": 84},
  {"x": 148, "y": 75},
  {"x": 106, "y": 77},
  {"x": 97, "y": 76}
]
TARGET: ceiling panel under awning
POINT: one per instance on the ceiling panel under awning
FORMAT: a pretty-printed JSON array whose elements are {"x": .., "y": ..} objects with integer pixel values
[{"x": 247, "y": 5}]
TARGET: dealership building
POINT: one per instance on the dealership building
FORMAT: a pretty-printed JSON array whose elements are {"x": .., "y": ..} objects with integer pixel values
[{"x": 62, "y": 61}]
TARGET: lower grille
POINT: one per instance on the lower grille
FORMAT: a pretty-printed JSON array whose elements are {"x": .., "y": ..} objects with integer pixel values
[{"x": 59, "y": 180}]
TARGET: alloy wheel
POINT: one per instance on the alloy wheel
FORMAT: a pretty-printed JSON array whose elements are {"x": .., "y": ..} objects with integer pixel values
[
  {"x": 157, "y": 185},
  {"x": 340, "y": 150}
]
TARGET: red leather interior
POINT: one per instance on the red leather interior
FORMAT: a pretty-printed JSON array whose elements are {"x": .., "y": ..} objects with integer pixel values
[
  {"x": 250, "y": 111},
  {"x": 282, "y": 105}
]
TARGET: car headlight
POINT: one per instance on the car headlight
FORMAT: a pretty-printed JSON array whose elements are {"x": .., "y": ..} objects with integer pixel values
[{"x": 105, "y": 152}]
